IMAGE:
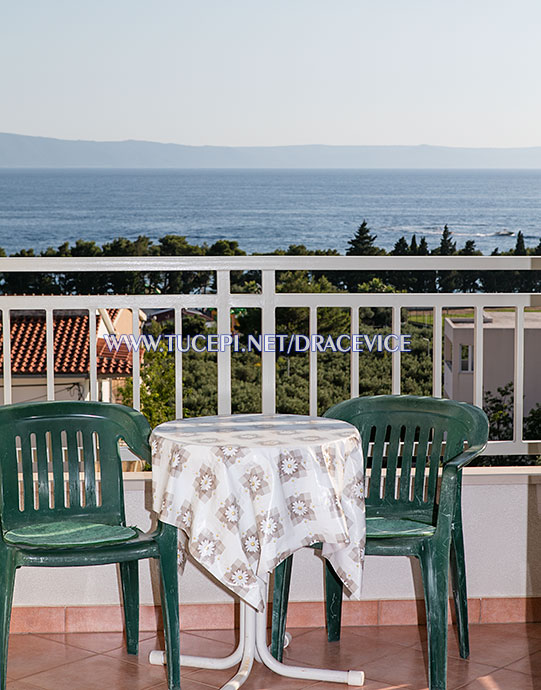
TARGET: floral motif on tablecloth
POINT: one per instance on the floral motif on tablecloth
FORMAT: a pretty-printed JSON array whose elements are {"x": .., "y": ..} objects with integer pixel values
[
  {"x": 156, "y": 447},
  {"x": 229, "y": 454},
  {"x": 185, "y": 517},
  {"x": 348, "y": 578},
  {"x": 207, "y": 547},
  {"x": 300, "y": 508},
  {"x": 177, "y": 461},
  {"x": 239, "y": 576},
  {"x": 229, "y": 514},
  {"x": 355, "y": 489},
  {"x": 327, "y": 457},
  {"x": 167, "y": 502},
  {"x": 255, "y": 481},
  {"x": 205, "y": 483},
  {"x": 251, "y": 546},
  {"x": 333, "y": 503},
  {"x": 270, "y": 526},
  {"x": 291, "y": 465}
]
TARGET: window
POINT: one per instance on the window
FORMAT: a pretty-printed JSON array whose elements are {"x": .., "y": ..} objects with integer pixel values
[{"x": 466, "y": 358}]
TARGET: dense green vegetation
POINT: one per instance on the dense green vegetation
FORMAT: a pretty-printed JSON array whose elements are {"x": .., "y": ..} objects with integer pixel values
[{"x": 199, "y": 373}]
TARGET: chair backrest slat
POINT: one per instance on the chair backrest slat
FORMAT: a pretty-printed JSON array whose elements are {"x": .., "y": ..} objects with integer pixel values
[
  {"x": 89, "y": 461},
  {"x": 73, "y": 468},
  {"x": 43, "y": 470},
  {"x": 57, "y": 461},
  {"x": 407, "y": 460},
  {"x": 402, "y": 435},
  {"x": 27, "y": 470},
  {"x": 52, "y": 448}
]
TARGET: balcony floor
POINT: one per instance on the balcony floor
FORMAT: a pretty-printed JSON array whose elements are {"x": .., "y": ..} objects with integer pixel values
[{"x": 504, "y": 657}]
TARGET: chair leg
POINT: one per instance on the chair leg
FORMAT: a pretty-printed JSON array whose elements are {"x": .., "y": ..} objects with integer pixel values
[
  {"x": 7, "y": 581},
  {"x": 280, "y": 597},
  {"x": 167, "y": 542},
  {"x": 333, "y": 600},
  {"x": 435, "y": 570},
  {"x": 129, "y": 575},
  {"x": 460, "y": 592}
]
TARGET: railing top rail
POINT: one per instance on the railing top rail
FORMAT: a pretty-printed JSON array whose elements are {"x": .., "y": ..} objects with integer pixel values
[{"x": 269, "y": 262}]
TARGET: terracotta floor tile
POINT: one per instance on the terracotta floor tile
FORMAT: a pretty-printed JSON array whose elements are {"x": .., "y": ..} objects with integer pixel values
[
  {"x": 405, "y": 635},
  {"x": 393, "y": 658},
  {"x": 496, "y": 645},
  {"x": 351, "y": 652},
  {"x": 19, "y": 685},
  {"x": 409, "y": 667},
  {"x": 29, "y": 654},
  {"x": 98, "y": 672},
  {"x": 189, "y": 644},
  {"x": 228, "y": 637},
  {"x": 93, "y": 642},
  {"x": 531, "y": 665},
  {"x": 503, "y": 680}
]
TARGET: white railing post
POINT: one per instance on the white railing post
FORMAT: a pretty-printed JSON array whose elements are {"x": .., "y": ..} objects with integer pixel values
[
  {"x": 518, "y": 385},
  {"x": 478, "y": 356},
  {"x": 6, "y": 328},
  {"x": 223, "y": 324},
  {"x": 268, "y": 325},
  {"x": 395, "y": 382},
  {"x": 436, "y": 351},
  {"x": 49, "y": 340},
  {"x": 136, "y": 361},
  {"x": 179, "y": 411},
  {"x": 313, "y": 363}
]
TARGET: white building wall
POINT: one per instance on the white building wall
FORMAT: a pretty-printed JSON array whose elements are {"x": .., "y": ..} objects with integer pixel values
[{"x": 502, "y": 522}]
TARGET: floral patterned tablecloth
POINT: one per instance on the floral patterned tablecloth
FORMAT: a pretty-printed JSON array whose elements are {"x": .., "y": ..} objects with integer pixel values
[{"x": 249, "y": 490}]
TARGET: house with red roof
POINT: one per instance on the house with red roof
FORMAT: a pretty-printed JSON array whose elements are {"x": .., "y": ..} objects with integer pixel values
[{"x": 71, "y": 354}]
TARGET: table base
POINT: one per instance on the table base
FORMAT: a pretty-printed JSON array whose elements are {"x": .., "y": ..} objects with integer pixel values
[{"x": 253, "y": 646}]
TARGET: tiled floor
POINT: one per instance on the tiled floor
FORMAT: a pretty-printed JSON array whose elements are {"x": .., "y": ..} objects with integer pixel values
[{"x": 503, "y": 657}]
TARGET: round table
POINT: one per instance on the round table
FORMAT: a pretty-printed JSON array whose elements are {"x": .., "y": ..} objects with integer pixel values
[{"x": 249, "y": 490}]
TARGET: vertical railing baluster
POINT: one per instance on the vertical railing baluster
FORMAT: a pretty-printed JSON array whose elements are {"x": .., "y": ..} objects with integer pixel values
[
  {"x": 49, "y": 337},
  {"x": 6, "y": 328},
  {"x": 518, "y": 387},
  {"x": 313, "y": 363},
  {"x": 224, "y": 327},
  {"x": 395, "y": 385},
  {"x": 92, "y": 354},
  {"x": 136, "y": 361},
  {"x": 268, "y": 359},
  {"x": 354, "y": 356},
  {"x": 178, "y": 365},
  {"x": 436, "y": 351},
  {"x": 478, "y": 356}
]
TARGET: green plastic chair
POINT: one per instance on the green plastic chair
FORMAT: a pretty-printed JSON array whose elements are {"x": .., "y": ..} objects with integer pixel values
[
  {"x": 54, "y": 513},
  {"x": 405, "y": 441}
]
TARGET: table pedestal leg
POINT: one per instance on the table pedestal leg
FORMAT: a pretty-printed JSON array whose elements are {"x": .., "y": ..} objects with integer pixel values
[{"x": 253, "y": 640}]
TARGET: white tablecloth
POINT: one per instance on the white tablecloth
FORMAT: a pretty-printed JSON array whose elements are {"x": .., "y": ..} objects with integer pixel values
[{"x": 249, "y": 490}]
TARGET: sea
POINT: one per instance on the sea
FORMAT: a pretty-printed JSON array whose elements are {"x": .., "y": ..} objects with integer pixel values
[{"x": 265, "y": 210}]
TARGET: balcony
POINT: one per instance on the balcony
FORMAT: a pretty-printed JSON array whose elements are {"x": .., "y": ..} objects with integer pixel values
[{"x": 501, "y": 504}]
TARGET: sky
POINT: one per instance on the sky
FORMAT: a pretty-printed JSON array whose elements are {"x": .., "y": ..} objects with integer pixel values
[{"x": 273, "y": 72}]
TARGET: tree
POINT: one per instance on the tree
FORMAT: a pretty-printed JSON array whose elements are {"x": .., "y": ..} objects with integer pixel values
[
  {"x": 468, "y": 281},
  {"x": 447, "y": 280},
  {"x": 362, "y": 244}
]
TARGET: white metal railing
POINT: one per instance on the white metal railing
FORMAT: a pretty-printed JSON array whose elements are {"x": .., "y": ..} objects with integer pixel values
[{"x": 268, "y": 300}]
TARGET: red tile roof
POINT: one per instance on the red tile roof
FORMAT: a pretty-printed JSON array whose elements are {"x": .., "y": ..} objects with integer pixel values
[{"x": 71, "y": 347}]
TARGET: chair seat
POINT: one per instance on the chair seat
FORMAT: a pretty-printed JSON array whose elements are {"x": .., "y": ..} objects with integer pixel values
[
  {"x": 380, "y": 527},
  {"x": 66, "y": 533}
]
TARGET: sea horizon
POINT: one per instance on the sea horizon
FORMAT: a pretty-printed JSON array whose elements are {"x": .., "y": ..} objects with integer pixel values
[{"x": 268, "y": 209}]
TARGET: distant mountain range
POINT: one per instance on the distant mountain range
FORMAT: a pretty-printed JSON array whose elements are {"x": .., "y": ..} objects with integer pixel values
[{"x": 20, "y": 151}]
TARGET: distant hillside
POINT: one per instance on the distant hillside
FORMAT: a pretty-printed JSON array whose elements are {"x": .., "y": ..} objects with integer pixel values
[{"x": 19, "y": 151}]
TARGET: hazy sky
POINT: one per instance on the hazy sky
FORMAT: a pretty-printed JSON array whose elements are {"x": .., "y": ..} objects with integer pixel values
[{"x": 267, "y": 72}]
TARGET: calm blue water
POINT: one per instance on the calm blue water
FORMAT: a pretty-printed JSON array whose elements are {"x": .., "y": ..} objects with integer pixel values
[{"x": 267, "y": 209}]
